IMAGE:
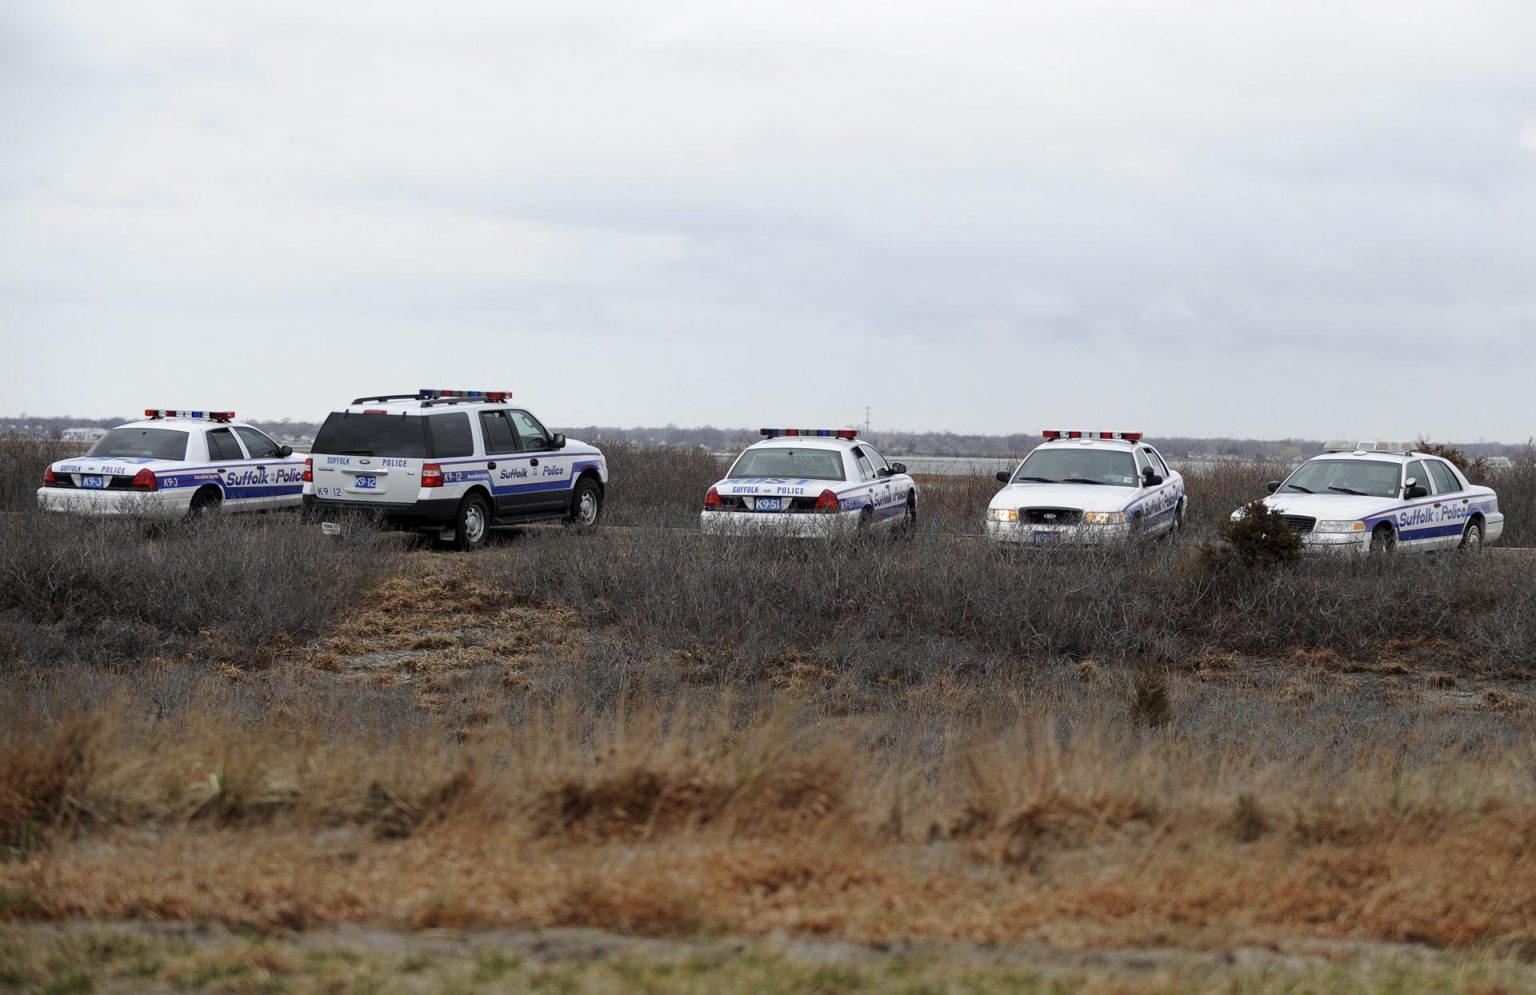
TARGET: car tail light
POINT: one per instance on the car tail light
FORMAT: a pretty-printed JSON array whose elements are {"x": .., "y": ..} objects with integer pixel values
[
  {"x": 431, "y": 475},
  {"x": 145, "y": 480},
  {"x": 828, "y": 502},
  {"x": 309, "y": 469},
  {"x": 48, "y": 478},
  {"x": 712, "y": 500}
]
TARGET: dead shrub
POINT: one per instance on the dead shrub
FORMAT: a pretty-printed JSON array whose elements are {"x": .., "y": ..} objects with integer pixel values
[{"x": 1151, "y": 706}]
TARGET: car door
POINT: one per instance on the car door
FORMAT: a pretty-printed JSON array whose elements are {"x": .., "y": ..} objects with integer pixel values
[
  {"x": 273, "y": 484},
  {"x": 509, "y": 472},
  {"x": 549, "y": 469},
  {"x": 1418, "y": 522},
  {"x": 1451, "y": 500},
  {"x": 1164, "y": 500},
  {"x": 887, "y": 501},
  {"x": 227, "y": 456}
]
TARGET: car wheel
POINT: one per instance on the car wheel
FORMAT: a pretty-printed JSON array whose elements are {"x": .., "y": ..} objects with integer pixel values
[
  {"x": 586, "y": 504},
  {"x": 205, "y": 505},
  {"x": 472, "y": 525},
  {"x": 1472, "y": 538},
  {"x": 1383, "y": 540},
  {"x": 908, "y": 527},
  {"x": 1178, "y": 517}
]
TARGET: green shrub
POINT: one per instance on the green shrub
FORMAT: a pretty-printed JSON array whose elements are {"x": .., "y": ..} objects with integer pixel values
[{"x": 1260, "y": 535}]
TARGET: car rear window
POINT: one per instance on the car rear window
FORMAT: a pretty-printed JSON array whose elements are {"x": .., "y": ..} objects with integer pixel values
[
  {"x": 797, "y": 464},
  {"x": 403, "y": 436},
  {"x": 372, "y": 435},
  {"x": 144, "y": 443}
]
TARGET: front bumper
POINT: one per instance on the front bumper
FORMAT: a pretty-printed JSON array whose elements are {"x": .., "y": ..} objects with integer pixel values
[
  {"x": 436, "y": 513},
  {"x": 167, "y": 504},
  {"x": 1336, "y": 542},
  {"x": 1029, "y": 534},
  {"x": 795, "y": 525}
]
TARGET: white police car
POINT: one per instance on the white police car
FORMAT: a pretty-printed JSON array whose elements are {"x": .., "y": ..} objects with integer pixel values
[
  {"x": 451, "y": 462},
  {"x": 810, "y": 483},
  {"x": 173, "y": 464},
  {"x": 1381, "y": 496},
  {"x": 1087, "y": 487}
]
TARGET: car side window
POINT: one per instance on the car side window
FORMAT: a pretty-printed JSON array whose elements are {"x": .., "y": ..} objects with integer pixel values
[
  {"x": 222, "y": 445},
  {"x": 499, "y": 437},
  {"x": 1156, "y": 460},
  {"x": 531, "y": 437},
  {"x": 450, "y": 435},
  {"x": 1445, "y": 480},
  {"x": 257, "y": 444},
  {"x": 876, "y": 460},
  {"x": 1418, "y": 475},
  {"x": 1142, "y": 466},
  {"x": 866, "y": 469}
]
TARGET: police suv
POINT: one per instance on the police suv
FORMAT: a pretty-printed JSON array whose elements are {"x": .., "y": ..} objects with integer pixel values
[
  {"x": 810, "y": 482},
  {"x": 1381, "y": 496},
  {"x": 451, "y": 462},
  {"x": 1087, "y": 487},
  {"x": 175, "y": 464}
]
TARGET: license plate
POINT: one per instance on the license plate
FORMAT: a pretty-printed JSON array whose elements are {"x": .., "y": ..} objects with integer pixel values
[
  {"x": 365, "y": 482},
  {"x": 330, "y": 528},
  {"x": 768, "y": 504},
  {"x": 1043, "y": 538},
  {"x": 95, "y": 482}
]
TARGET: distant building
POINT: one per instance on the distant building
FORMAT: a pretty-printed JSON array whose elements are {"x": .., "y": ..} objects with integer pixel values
[{"x": 83, "y": 434}]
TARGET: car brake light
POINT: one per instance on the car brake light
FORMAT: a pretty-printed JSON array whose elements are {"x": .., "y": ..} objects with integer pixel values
[
  {"x": 431, "y": 475},
  {"x": 145, "y": 480},
  {"x": 48, "y": 477},
  {"x": 309, "y": 469},
  {"x": 712, "y": 500},
  {"x": 827, "y": 502}
]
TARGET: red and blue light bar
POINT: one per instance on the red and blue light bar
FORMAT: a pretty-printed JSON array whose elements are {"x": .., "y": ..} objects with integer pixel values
[
  {"x": 814, "y": 433},
  {"x": 184, "y": 413},
  {"x": 1052, "y": 435},
  {"x": 430, "y": 394}
]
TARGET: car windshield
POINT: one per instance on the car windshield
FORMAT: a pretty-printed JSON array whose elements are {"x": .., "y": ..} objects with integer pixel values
[
  {"x": 143, "y": 443},
  {"x": 1077, "y": 465},
  {"x": 346, "y": 434},
  {"x": 1374, "y": 478},
  {"x": 797, "y": 464}
]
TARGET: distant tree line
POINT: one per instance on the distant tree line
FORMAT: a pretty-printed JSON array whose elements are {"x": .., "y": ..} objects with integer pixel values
[{"x": 892, "y": 443}]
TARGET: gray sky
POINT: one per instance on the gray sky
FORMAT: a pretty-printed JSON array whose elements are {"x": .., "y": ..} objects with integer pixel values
[{"x": 1261, "y": 219}]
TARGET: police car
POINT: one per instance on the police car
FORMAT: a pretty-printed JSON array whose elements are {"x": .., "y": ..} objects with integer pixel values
[
  {"x": 810, "y": 482},
  {"x": 175, "y": 464},
  {"x": 1381, "y": 496},
  {"x": 1087, "y": 487},
  {"x": 454, "y": 463}
]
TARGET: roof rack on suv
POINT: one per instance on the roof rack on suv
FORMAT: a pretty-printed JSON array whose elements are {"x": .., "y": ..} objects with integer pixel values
[{"x": 385, "y": 397}]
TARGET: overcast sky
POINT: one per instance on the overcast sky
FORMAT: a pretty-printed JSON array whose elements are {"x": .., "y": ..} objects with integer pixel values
[{"x": 1257, "y": 219}]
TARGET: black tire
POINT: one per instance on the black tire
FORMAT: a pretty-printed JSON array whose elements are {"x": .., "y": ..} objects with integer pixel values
[
  {"x": 471, "y": 524},
  {"x": 586, "y": 504},
  {"x": 1383, "y": 541},
  {"x": 908, "y": 527},
  {"x": 205, "y": 505},
  {"x": 1472, "y": 538}
]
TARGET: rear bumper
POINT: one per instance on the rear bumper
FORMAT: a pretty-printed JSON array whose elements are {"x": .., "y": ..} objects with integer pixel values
[
  {"x": 795, "y": 525},
  {"x": 167, "y": 504},
  {"x": 433, "y": 514}
]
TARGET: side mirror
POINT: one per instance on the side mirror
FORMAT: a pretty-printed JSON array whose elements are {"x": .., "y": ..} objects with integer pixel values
[
  {"x": 1151, "y": 478},
  {"x": 1003, "y": 476},
  {"x": 1273, "y": 485},
  {"x": 898, "y": 468},
  {"x": 883, "y": 472},
  {"x": 1414, "y": 491},
  {"x": 285, "y": 451},
  {"x": 557, "y": 441}
]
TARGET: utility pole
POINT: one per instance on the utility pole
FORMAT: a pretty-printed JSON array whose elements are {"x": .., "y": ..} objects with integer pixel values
[{"x": 866, "y": 421}]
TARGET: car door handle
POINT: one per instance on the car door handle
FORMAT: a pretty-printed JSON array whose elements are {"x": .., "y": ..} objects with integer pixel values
[{"x": 490, "y": 466}]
